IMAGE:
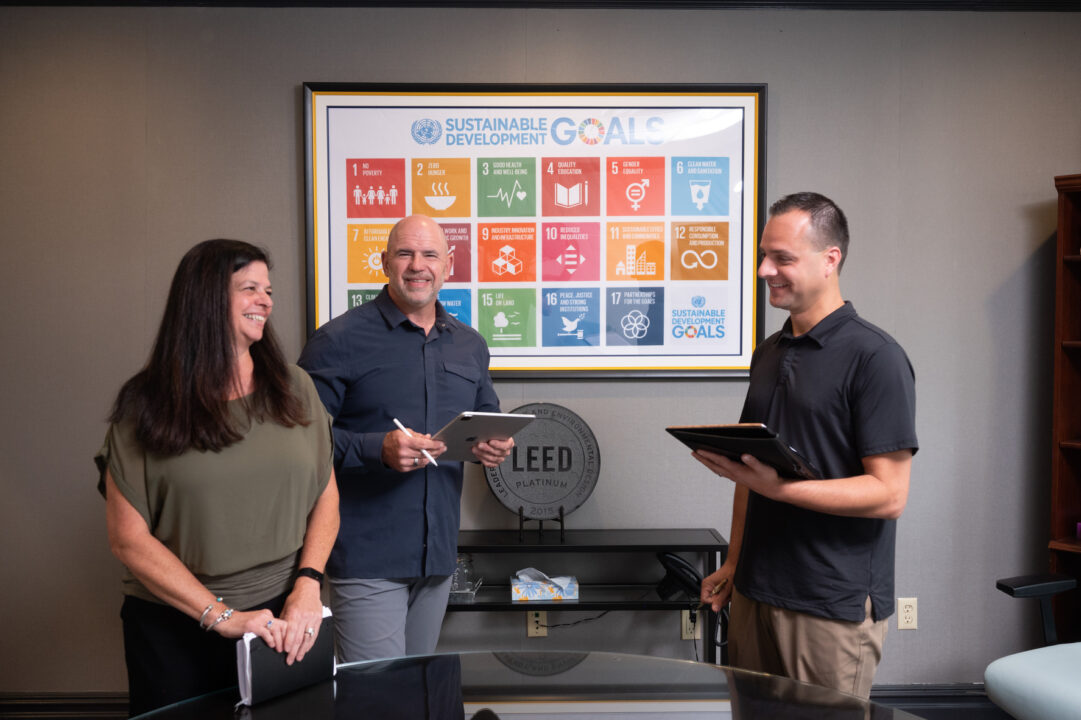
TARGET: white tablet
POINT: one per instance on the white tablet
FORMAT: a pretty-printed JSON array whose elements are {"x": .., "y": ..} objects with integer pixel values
[{"x": 470, "y": 428}]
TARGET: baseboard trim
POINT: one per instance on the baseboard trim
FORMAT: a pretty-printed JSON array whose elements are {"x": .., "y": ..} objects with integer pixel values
[
  {"x": 64, "y": 706},
  {"x": 939, "y": 696}
]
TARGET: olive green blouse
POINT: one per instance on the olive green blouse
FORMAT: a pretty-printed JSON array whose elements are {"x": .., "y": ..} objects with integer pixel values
[{"x": 237, "y": 517}]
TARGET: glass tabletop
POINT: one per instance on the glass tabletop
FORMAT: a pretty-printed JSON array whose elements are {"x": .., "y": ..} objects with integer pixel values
[{"x": 540, "y": 685}]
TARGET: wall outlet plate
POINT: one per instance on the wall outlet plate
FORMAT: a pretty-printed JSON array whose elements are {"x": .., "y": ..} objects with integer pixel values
[
  {"x": 536, "y": 623},
  {"x": 906, "y": 614},
  {"x": 687, "y": 629}
]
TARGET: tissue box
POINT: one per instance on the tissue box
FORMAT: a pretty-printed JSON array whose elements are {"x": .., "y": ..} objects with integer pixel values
[{"x": 533, "y": 590}]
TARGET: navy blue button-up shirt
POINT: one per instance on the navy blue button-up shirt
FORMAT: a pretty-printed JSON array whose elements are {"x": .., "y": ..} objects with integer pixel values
[{"x": 371, "y": 365}]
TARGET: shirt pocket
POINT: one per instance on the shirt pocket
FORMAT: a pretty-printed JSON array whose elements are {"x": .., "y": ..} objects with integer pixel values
[
  {"x": 459, "y": 384},
  {"x": 470, "y": 373}
]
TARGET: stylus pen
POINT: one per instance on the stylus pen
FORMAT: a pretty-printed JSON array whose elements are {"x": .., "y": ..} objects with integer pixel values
[
  {"x": 716, "y": 589},
  {"x": 409, "y": 434}
]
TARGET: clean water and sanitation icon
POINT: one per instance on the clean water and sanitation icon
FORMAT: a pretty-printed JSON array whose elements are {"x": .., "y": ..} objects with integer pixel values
[{"x": 700, "y": 192}]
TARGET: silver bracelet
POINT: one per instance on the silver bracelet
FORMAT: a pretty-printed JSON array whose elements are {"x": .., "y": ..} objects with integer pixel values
[
  {"x": 228, "y": 613},
  {"x": 205, "y": 611}
]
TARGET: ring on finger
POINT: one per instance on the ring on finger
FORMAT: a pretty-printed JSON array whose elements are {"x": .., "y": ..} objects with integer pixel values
[
  {"x": 310, "y": 632},
  {"x": 416, "y": 461}
]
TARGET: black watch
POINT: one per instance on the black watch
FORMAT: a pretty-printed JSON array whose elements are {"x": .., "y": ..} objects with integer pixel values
[{"x": 311, "y": 573}]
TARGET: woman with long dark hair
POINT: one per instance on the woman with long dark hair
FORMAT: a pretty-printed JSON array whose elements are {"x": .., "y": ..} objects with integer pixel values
[{"x": 218, "y": 476}]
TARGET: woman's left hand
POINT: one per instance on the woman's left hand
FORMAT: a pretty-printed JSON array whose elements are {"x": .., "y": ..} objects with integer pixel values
[{"x": 304, "y": 612}]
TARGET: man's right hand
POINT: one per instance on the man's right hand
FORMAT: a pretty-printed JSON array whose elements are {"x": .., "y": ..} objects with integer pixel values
[
  {"x": 403, "y": 453},
  {"x": 717, "y": 587}
]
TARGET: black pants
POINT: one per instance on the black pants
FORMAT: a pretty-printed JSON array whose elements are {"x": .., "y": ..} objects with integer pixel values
[{"x": 170, "y": 658}]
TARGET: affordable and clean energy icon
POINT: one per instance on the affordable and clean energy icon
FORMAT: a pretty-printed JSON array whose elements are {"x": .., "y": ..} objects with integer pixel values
[
  {"x": 636, "y": 193},
  {"x": 700, "y": 192},
  {"x": 374, "y": 263}
]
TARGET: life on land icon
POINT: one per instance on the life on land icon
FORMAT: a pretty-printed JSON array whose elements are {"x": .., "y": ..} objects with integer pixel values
[{"x": 505, "y": 323}]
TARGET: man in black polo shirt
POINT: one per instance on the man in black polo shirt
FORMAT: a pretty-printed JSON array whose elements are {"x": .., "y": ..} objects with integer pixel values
[{"x": 810, "y": 563}]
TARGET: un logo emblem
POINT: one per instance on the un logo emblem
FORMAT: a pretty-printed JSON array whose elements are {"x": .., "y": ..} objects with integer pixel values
[
  {"x": 426, "y": 131},
  {"x": 698, "y": 301}
]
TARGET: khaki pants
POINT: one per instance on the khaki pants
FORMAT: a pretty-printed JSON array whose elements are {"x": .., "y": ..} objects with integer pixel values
[{"x": 834, "y": 653}]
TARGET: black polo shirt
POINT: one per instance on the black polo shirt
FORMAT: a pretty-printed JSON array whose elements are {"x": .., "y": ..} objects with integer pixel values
[{"x": 838, "y": 393}]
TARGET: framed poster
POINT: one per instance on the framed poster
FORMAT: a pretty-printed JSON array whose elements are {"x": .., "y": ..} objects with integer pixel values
[{"x": 595, "y": 230}]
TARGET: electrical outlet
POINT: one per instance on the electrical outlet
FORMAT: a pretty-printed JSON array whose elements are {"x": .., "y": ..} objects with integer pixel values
[
  {"x": 687, "y": 629},
  {"x": 906, "y": 613},
  {"x": 536, "y": 623}
]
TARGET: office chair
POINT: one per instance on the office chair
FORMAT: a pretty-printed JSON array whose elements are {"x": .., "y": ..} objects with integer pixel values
[{"x": 1040, "y": 684}]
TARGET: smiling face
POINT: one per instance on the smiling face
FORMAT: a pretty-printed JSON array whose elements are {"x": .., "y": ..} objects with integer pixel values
[
  {"x": 249, "y": 304},
  {"x": 417, "y": 263},
  {"x": 802, "y": 277}
]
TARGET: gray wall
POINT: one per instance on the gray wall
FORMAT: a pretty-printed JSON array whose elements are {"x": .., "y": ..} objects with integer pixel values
[{"x": 127, "y": 135}]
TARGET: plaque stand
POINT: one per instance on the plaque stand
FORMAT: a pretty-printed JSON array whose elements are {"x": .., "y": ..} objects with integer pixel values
[{"x": 540, "y": 526}]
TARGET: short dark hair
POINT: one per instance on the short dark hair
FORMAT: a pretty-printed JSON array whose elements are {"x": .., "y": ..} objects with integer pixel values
[
  {"x": 828, "y": 221},
  {"x": 179, "y": 400}
]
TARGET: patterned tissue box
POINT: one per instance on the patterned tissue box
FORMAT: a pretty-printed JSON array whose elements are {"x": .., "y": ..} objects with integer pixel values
[{"x": 531, "y": 585}]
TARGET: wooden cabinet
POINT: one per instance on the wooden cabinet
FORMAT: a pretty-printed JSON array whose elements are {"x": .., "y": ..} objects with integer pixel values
[{"x": 1065, "y": 547}]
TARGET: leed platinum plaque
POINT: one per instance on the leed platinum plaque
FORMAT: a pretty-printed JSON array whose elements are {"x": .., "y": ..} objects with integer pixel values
[{"x": 555, "y": 464}]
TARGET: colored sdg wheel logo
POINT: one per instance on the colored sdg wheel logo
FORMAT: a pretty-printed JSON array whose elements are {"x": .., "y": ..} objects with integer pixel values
[
  {"x": 591, "y": 131},
  {"x": 426, "y": 131}
]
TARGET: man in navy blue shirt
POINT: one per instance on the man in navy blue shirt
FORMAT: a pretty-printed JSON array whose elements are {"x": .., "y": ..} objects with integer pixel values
[
  {"x": 811, "y": 562},
  {"x": 399, "y": 357}
]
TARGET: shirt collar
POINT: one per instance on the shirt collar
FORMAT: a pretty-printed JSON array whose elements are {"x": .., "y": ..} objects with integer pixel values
[
  {"x": 825, "y": 327},
  {"x": 394, "y": 317}
]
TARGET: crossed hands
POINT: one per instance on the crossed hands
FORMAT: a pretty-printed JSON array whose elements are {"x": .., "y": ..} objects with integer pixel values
[{"x": 294, "y": 633}]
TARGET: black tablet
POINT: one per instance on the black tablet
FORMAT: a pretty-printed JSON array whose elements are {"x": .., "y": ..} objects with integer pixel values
[{"x": 754, "y": 439}]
